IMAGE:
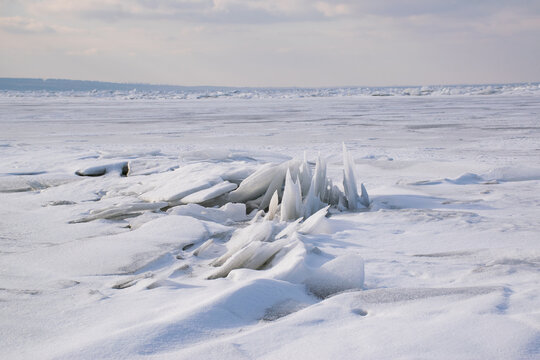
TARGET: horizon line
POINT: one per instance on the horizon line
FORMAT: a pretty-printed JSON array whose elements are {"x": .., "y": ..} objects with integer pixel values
[{"x": 264, "y": 87}]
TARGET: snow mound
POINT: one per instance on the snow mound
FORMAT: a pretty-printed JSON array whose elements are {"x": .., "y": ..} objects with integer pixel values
[
  {"x": 122, "y": 168},
  {"x": 513, "y": 174},
  {"x": 342, "y": 273}
]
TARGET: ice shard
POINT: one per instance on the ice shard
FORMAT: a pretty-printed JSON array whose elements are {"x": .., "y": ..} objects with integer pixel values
[
  {"x": 309, "y": 225},
  {"x": 349, "y": 180},
  {"x": 273, "y": 207},
  {"x": 364, "y": 197},
  {"x": 276, "y": 185},
  {"x": 305, "y": 177},
  {"x": 256, "y": 184},
  {"x": 291, "y": 204},
  {"x": 312, "y": 203},
  {"x": 258, "y": 231}
]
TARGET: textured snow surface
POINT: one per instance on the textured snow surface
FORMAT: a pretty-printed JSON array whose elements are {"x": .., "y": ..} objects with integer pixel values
[
  {"x": 142, "y": 91},
  {"x": 239, "y": 228}
]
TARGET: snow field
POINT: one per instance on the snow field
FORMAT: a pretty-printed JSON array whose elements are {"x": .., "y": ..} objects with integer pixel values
[{"x": 176, "y": 260}]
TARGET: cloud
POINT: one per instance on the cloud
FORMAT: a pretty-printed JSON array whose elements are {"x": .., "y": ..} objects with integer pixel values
[
  {"x": 18, "y": 24},
  {"x": 296, "y": 42},
  {"x": 464, "y": 9},
  {"x": 333, "y": 10},
  {"x": 211, "y": 11},
  {"x": 84, "y": 52},
  {"x": 443, "y": 14}
]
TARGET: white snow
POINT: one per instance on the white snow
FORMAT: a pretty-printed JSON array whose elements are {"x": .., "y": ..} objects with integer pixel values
[
  {"x": 243, "y": 228},
  {"x": 345, "y": 272}
]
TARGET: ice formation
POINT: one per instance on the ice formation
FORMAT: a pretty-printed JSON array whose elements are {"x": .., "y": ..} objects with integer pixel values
[
  {"x": 280, "y": 203},
  {"x": 299, "y": 191},
  {"x": 282, "y": 200},
  {"x": 305, "y": 200},
  {"x": 289, "y": 190}
]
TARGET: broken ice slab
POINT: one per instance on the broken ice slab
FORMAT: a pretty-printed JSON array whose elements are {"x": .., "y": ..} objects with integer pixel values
[
  {"x": 209, "y": 193},
  {"x": 257, "y": 183},
  {"x": 121, "y": 211},
  {"x": 252, "y": 256},
  {"x": 228, "y": 213},
  {"x": 173, "y": 186}
]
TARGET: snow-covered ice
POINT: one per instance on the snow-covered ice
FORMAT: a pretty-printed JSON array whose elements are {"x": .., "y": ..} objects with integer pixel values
[{"x": 271, "y": 223}]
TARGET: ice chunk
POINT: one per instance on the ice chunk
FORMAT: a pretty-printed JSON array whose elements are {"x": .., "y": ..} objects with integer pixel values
[
  {"x": 275, "y": 186},
  {"x": 205, "y": 246},
  {"x": 254, "y": 204},
  {"x": 319, "y": 179},
  {"x": 264, "y": 252},
  {"x": 258, "y": 231},
  {"x": 291, "y": 204},
  {"x": 273, "y": 207},
  {"x": 349, "y": 180},
  {"x": 289, "y": 229},
  {"x": 172, "y": 186},
  {"x": 176, "y": 188},
  {"x": 329, "y": 185},
  {"x": 209, "y": 193},
  {"x": 312, "y": 202},
  {"x": 121, "y": 211},
  {"x": 236, "y": 175},
  {"x": 299, "y": 206},
  {"x": 176, "y": 192},
  {"x": 289, "y": 264},
  {"x": 305, "y": 176},
  {"x": 121, "y": 168},
  {"x": 234, "y": 211},
  {"x": 364, "y": 197},
  {"x": 230, "y": 212},
  {"x": 256, "y": 184},
  {"x": 236, "y": 260},
  {"x": 335, "y": 195},
  {"x": 252, "y": 256},
  {"x": 314, "y": 222}
]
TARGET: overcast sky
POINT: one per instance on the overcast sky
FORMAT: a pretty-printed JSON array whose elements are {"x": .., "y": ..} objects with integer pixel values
[{"x": 272, "y": 43}]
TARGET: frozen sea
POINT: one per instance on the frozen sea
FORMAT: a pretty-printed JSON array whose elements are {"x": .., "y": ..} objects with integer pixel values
[{"x": 173, "y": 262}]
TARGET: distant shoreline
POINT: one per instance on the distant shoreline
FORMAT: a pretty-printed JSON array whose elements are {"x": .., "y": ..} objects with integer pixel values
[{"x": 36, "y": 84}]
